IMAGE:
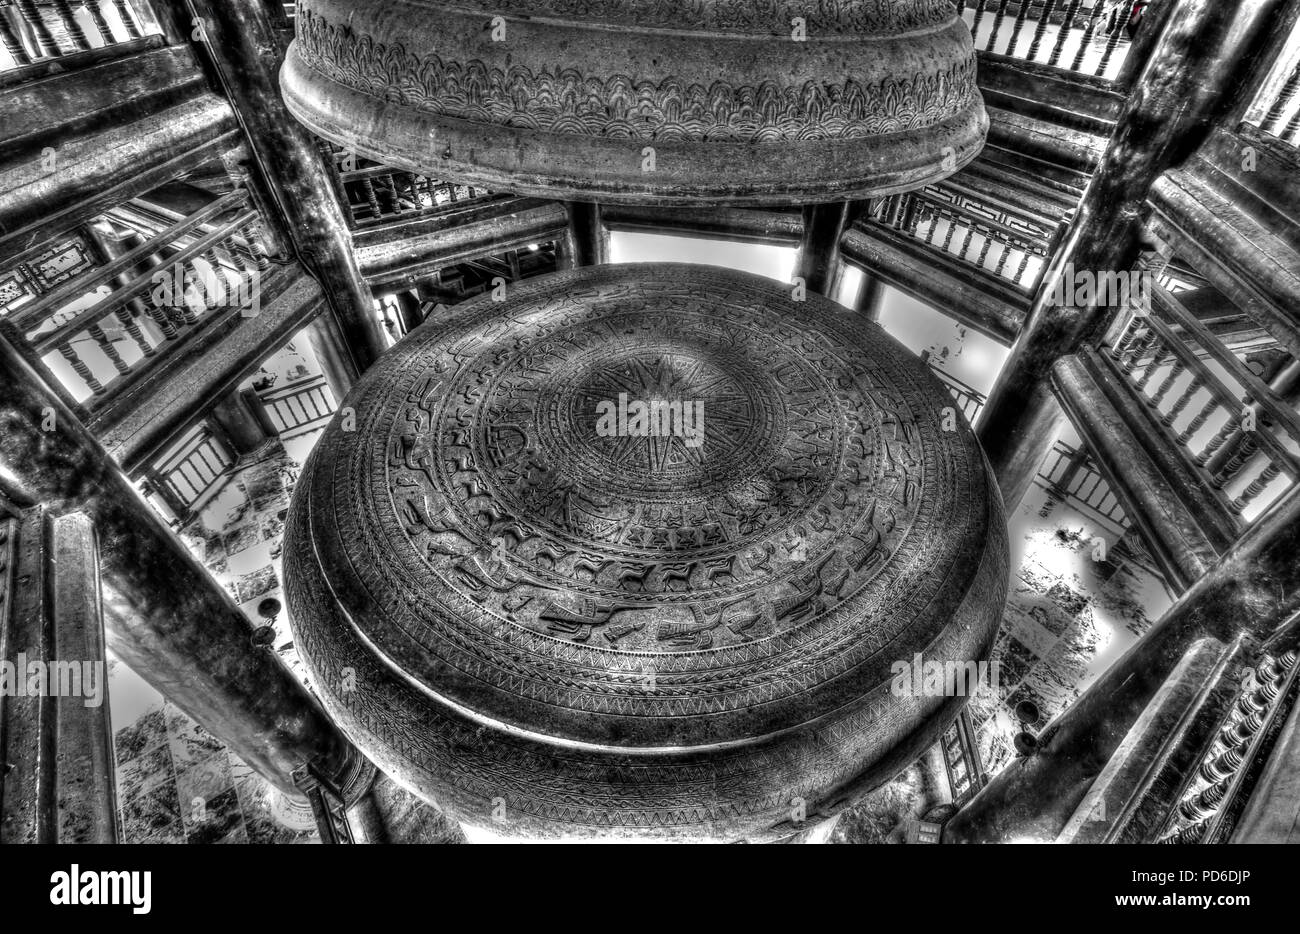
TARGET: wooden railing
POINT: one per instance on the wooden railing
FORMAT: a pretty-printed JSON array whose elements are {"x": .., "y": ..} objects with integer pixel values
[
  {"x": 969, "y": 399},
  {"x": 1088, "y": 37},
  {"x": 961, "y": 759},
  {"x": 111, "y": 322},
  {"x": 1223, "y": 417},
  {"x": 38, "y": 30},
  {"x": 377, "y": 194},
  {"x": 1069, "y": 474},
  {"x": 1212, "y": 799},
  {"x": 999, "y": 242},
  {"x": 1276, "y": 109},
  {"x": 299, "y": 407},
  {"x": 191, "y": 474},
  {"x": 45, "y": 269}
]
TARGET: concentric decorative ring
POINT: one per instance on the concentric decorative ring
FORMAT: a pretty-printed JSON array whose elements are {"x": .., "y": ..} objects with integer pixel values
[{"x": 508, "y": 589}]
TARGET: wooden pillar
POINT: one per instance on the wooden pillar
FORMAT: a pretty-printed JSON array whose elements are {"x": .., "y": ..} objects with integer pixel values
[
  {"x": 1021, "y": 464},
  {"x": 819, "y": 262},
  {"x": 243, "y": 45},
  {"x": 336, "y": 366},
  {"x": 58, "y": 783},
  {"x": 86, "y": 781},
  {"x": 239, "y": 422},
  {"x": 1150, "y": 500},
  {"x": 1252, "y": 591},
  {"x": 409, "y": 306},
  {"x": 587, "y": 240},
  {"x": 166, "y": 617},
  {"x": 1205, "y": 49},
  {"x": 871, "y": 297},
  {"x": 1153, "y": 24}
]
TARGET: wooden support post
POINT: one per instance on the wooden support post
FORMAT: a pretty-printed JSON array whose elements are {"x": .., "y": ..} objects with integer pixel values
[
  {"x": 166, "y": 617},
  {"x": 587, "y": 241},
  {"x": 819, "y": 262},
  {"x": 59, "y": 781},
  {"x": 1169, "y": 526},
  {"x": 1199, "y": 59},
  {"x": 244, "y": 48}
]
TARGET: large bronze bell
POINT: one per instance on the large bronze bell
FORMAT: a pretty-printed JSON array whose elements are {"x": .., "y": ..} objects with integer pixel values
[{"x": 672, "y": 102}]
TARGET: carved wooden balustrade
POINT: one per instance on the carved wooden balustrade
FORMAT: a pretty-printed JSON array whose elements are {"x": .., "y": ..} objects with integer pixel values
[
  {"x": 969, "y": 399},
  {"x": 188, "y": 476},
  {"x": 376, "y": 194},
  {"x": 104, "y": 328},
  {"x": 1216, "y": 791},
  {"x": 961, "y": 758},
  {"x": 33, "y": 31},
  {"x": 1276, "y": 108},
  {"x": 402, "y": 310},
  {"x": 1069, "y": 474},
  {"x": 298, "y": 408},
  {"x": 1223, "y": 417},
  {"x": 999, "y": 242},
  {"x": 1086, "y": 37}
]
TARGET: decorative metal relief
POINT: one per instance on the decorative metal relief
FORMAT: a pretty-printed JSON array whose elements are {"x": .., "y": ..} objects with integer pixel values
[
  {"x": 671, "y": 102},
  {"x": 628, "y": 549}
]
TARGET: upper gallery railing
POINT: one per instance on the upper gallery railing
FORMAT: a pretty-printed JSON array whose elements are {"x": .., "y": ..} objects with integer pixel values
[
  {"x": 33, "y": 31},
  {"x": 1087, "y": 37},
  {"x": 299, "y": 407},
  {"x": 1276, "y": 108},
  {"x": 969, "y": 399},
  {"x": 1069, "y": 474},
  {"x": 107, "y": 324},
  {"x": 1230, "y": 424},
  {"x": 1213, "y": 798},
  {"x": 998, "y": 241},
  {"x": 190, "y": 474},
  {"x": 961, "y": 758},
  {"x": 377, "y": 194}
]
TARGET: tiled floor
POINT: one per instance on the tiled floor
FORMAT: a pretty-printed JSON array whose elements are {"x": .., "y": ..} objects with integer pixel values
[{"x": 178, "y": 784}]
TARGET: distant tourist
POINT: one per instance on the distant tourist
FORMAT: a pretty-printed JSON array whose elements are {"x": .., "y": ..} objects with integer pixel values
[{"x": 1135, "y": 17}]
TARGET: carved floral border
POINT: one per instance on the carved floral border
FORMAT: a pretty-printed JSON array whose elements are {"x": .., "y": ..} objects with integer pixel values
[{"x": 568, "y": 102}]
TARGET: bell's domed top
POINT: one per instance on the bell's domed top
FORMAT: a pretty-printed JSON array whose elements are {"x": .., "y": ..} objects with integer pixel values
[{"x": 668, "y": 102}]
